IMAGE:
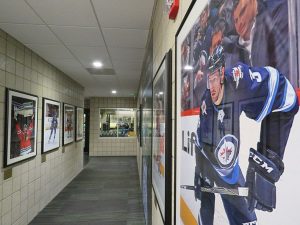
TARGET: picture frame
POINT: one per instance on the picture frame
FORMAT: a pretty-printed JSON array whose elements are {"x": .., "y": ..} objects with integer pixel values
[
  {"x": 216, "y": 135},
  {"x": 79, "y": 123},
  {"x": 51, "y": 124},
  {"x": 162, "y": 137},
  {"x": 140, "y": 122},
  {"x": 21, "y": 126},
  {"x": 68, "y": 123}
]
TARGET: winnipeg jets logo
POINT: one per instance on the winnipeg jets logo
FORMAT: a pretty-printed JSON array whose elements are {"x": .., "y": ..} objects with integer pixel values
[
  {"x": 227, "y": 151},
  {"x": 221, "y": 115},
  {"x": 203, "y": 108},
  {"x": 237, "y": 75}
]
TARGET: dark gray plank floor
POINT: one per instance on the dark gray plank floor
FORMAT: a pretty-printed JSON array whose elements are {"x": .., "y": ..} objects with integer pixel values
[{"x": 106, "y": 192}]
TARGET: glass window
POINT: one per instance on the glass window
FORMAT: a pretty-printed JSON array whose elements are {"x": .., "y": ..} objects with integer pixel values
[{"x": 117, "y": 122}]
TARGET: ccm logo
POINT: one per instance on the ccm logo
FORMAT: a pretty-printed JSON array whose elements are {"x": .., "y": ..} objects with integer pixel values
[
  {"x": 260, "y": 162},
  {"x": 250, "y": 223}
]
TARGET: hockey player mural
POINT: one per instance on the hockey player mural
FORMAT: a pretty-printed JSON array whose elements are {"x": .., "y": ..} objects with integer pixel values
[
  {"x": 237, "y": 71},
  {"x": 264, "y": 95}
]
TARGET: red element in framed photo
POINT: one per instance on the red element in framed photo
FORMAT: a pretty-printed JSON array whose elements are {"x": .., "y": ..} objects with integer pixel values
[
  {"x": 20, "y": 127},
  {"x": 173, "y": 8},
  {"x": 68, "y": 123}
]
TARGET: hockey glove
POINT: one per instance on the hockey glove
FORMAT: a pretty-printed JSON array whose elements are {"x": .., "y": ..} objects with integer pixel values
[
  {"x": 263, "y": 172},
  {"x": 197, "y": 185}
]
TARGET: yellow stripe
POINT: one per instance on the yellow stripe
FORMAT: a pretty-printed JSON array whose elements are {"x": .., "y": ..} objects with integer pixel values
[
  {"x": 186, "y": 214},
  {"x": 161, "y": 169}
]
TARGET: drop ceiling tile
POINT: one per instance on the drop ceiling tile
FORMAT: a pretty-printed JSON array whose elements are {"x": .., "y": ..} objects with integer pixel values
[
  {"x": 110, "y": 82},
  {"x": 86, "y": 55},
  {"x": 75, "y": 35},
  {"x": 127, "y": 54},
  {"x": 124, "y": 14},
  {"x": 127, "y": 66},
  {"x": 65, "y": 12},
  {"x": 106, "y": 79},
  {"x": 30, "y": 34},
  {"x": 51, "y": 51},
  {"x": 67, "y": 62},
  {"x": 128, "y": 74},
  {"x": 132, "y": 38},
  {"x": 76, "y": 72},
  {"x": 128, "y": 91},
  {"x": 16, "y": 11}
]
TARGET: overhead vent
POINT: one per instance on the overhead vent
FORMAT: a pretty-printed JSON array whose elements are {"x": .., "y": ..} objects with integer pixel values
[{"x": 101, "y": 71}]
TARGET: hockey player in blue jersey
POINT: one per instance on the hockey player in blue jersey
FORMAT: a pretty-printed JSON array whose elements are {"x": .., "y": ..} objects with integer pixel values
[{"x": 264, "y": 95}]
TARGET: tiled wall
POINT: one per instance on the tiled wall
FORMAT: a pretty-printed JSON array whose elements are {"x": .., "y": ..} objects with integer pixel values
[
  {"x": 109, "y": 146},
  {"x": 34, "y": 184},
  {"x": 164, "y": 31}
]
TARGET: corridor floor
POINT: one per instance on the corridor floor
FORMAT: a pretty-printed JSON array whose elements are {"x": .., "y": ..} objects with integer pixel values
[{"x": 106, "y": 192}]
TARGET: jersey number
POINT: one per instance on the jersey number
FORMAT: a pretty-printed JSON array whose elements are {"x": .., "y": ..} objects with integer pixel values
[{"x": 255, "y": 76}]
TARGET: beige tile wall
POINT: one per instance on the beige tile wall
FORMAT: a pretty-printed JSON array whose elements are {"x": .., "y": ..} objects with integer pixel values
[
  {"x": 109, "y": 146},
  {"x": 34, "y": 184},
  {"x": 164, "y": 31}
]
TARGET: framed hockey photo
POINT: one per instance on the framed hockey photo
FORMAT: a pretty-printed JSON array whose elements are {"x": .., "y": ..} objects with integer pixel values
[
  {"x": 68, "y": 124},
  {"x": 79, "y": 123},
  {"x": 50, "y": 125},
  {"x": 236, "y": 113},
  {"x": 162, "y": 137},
  {"x": 139, "y": 124},
  {"x": 20, "y": 127}
]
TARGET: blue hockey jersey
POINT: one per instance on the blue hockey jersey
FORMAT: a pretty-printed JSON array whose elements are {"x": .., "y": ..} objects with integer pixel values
[{"x": 256, "y": 91}]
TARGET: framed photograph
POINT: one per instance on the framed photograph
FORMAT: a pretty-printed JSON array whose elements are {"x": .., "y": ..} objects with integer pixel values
[
  {"x": 50, "y": 125},
  {"x": 233, "y": 76},
  {"x": 162, "y": 137},
  {"x": 69, "y": 124},
  {"x": 146, "y": 133},
  {"x": 79, "y": 123},
  {"x": 20, "y": 127},
  {"x": 139, "y": 123}
]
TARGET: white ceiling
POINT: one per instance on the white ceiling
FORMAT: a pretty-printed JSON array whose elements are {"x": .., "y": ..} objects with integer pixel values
[{"x": 71, "y": 34}]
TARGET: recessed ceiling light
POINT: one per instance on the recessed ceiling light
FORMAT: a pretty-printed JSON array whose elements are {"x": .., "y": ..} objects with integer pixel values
[
  {"x": 97, "y": 64},
  {"x": 114, "y": 92}
]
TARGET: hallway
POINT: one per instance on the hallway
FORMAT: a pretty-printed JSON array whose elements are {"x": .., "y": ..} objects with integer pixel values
[{"x": 106, "y": 192}]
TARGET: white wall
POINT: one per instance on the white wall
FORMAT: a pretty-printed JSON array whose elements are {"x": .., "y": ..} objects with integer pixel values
[{"x": 34, "y": 183}]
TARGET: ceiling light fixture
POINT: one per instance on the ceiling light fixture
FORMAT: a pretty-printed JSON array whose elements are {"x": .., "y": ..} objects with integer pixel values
[
  {"x": 97, "y": 64},
  {"x": 114, "y": 92}
]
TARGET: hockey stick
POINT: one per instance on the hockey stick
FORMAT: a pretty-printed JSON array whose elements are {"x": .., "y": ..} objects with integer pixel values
[{"x": 240, "y": 191}]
